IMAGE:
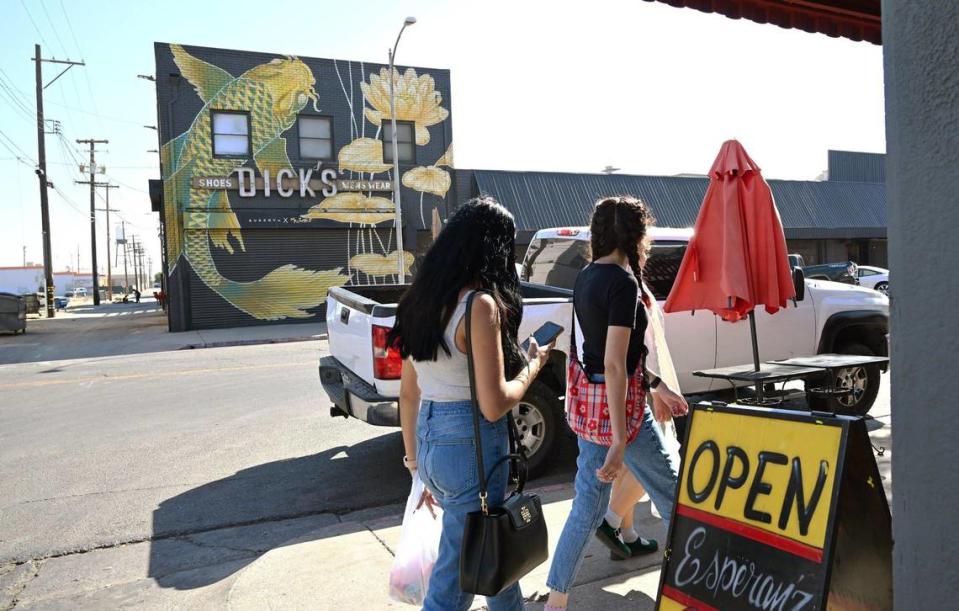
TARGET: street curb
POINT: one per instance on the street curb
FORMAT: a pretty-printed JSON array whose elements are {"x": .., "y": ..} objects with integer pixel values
[{"x": 253, "y": 342}]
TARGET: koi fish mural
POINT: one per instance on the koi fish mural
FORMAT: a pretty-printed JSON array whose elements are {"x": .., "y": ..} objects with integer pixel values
[{"x": 202, "y": 219}]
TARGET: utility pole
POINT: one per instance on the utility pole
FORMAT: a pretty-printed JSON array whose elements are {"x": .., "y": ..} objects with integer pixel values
[
  {"x": 109, "y": 260},
  {"x": 143, "y": 278},
  {"x": 126, "y": 278},
  {"x": 136, "y": 265},
  {"x": 93, "y": 215},
  {"x": 24, "y": 255},
  {"x": 42, "y": 171}
]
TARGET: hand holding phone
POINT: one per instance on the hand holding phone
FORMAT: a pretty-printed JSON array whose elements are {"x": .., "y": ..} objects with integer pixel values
[{"x": 544, "y": 335}]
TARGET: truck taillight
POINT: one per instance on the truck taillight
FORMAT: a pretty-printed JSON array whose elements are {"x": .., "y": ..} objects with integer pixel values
[
  {"x": 387, "y": 363},
  {"x": 567, "y": 232}
]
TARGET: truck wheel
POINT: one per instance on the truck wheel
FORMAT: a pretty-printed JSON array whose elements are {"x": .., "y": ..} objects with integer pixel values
[
  {"x": 535, "y": 417},
  {"x": 864, "y": 382}
]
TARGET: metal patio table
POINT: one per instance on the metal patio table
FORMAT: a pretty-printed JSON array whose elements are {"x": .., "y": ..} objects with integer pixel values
[
  {"x": 769, "y": 373},
  {"x": 831, "y": 364}
]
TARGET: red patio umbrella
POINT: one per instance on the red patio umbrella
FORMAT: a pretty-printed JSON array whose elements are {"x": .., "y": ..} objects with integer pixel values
[{"x": 736, "y": 259}]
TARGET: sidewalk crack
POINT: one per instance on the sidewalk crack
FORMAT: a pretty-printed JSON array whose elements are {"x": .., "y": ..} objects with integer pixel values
[
  {"x": 20, "y": 587},
  {"x": 219, "y": 546},
  {"x": 382, "y": 542}
]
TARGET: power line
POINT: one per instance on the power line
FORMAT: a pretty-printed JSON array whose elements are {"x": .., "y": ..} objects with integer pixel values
[
  {"x": 23, "y": 153},
  {"x": 54, "y": 28},
  {"x": 85, "y": 112},
  {"x": 15, "y": 98},
  {"x": 128, "y": 186},
  {"x": 70, "y": 27},
  {"x": 39, "y": 33}
]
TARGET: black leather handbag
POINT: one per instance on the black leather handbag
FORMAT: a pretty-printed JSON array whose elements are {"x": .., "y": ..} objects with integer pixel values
[{"x": 500, "y": 544}]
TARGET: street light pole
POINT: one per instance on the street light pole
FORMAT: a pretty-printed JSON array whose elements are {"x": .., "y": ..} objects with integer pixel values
[{"x": 400, "y": 253}]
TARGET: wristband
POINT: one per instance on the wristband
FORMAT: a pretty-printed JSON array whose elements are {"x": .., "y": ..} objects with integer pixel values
[
  {"x": 655, "y": 382},
  {"x": 408, "y": 463}
]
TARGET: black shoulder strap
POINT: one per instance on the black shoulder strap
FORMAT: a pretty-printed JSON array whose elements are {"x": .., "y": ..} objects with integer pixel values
[
  {"x": 515, "y": 455},
  {"x": 476, "y": 411}
]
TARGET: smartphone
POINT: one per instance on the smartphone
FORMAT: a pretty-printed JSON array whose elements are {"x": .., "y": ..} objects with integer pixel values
[{"x": 544, "y": 335}]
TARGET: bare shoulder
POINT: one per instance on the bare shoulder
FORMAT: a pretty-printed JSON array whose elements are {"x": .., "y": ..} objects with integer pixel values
[{"x": 484, "y": 308}]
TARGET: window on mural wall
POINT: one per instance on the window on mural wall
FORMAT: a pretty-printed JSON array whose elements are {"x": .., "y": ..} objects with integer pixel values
[
  {"x": 404, "y": 141},
  {"x": 316, "y": 137},
  {"x": 231, "y": 134}
]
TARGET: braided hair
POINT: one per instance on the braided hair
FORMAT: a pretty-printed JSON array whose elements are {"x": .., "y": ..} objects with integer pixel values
[{"x": 620, "y": 222}]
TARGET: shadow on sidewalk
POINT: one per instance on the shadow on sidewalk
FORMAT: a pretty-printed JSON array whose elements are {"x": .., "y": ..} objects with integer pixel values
[
  {"x": 222, "y": 526},
  {"x": 252, "y": 501}
]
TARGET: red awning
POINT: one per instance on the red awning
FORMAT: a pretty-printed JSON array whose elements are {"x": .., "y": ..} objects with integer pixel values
[{"x": 853, "y": 19}]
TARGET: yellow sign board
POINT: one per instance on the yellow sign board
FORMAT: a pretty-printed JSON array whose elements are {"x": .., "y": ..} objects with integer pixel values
[
  {"x": 777, "y": 509},
  {"x": 776, "y": 475}
]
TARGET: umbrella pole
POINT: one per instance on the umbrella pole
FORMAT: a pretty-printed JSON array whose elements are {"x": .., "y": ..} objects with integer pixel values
[{"x": 752, "y": 334}]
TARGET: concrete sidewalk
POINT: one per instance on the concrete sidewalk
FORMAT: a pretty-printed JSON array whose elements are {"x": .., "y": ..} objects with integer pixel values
[{"x": 357, "y": 556}]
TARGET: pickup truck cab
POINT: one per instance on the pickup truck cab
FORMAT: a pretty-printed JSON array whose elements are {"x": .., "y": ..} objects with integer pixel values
[
  {"x": 362, "y": 373},
  {"x": 846, "y": 272},
  {"x": 825, "y": 317}
]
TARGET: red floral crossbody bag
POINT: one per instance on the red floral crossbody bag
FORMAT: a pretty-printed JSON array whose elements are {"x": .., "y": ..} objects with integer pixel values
[{"x": 587, "y": 409}]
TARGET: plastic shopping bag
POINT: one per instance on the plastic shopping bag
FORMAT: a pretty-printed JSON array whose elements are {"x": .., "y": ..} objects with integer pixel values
[{"x": 419, "y": 544}]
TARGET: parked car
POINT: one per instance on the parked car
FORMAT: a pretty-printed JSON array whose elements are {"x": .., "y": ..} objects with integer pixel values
[
  {"x": 875, "y": 278},
  {"x": 362, "y": 374},
  {"x": 13, "y": 313},
  {"x": 80, "y": 292},
  {"x": 825, "y": 317},
  {"x": 844, "y": 272}
]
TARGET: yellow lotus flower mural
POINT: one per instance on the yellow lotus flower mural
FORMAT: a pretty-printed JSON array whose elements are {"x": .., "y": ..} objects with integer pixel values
[
  {"x": 363, "y": 155},
  {"x": 373, "y": 264},
  {"x": 428, "y": 179},
  {"x": 447, "y": 158},
  {"x": 416, "y": 100},
  {"x": 353, "y": 207}
]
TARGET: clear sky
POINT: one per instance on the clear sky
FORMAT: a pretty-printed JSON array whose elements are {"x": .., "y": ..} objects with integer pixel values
[{"x": 545, "y": 85}]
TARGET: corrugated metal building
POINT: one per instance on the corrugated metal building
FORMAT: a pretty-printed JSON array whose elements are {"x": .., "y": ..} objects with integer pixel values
[{"x": 833, "y": 220}]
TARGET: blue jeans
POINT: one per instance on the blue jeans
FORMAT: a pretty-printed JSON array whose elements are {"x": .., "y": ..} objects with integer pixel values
[
  {"x": 649, "y": 462},
  {"x": 446, "y": 455}
]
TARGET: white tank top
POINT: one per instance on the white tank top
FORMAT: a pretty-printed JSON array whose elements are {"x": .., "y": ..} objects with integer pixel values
[{"x": 447, "y": 378}]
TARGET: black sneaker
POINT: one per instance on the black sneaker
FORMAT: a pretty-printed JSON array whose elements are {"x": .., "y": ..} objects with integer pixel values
[
  {"x": 610, "y": 537},
  {"x": 638, "y": 547}
]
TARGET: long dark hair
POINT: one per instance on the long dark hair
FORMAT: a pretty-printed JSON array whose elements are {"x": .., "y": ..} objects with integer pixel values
[
  {"x": 475, "y": 248},
  {"x": 620, "y": 222}
]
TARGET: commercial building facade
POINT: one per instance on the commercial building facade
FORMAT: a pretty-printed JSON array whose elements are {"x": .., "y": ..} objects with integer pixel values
[{"x": 276, "y": 184}]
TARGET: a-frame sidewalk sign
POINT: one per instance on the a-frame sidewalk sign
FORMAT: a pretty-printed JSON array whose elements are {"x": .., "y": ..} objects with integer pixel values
[{"x": 777, "y": 510}]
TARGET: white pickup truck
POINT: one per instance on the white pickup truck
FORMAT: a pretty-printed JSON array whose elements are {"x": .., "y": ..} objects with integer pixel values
[
  {"x": 362, "y": 374},
  {"x": 825, "y": 317}
]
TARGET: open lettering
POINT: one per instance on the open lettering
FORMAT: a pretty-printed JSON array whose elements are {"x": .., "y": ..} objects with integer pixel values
[{"x": 733, "y": 469}]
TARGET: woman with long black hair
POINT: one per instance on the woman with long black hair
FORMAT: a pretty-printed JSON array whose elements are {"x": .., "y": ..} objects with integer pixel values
[
  {"x": 607, "y": 389},
  {"x": 473, "y": 252}
]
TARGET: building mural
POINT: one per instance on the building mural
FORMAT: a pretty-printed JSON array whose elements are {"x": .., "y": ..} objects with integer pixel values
[{"x": 211, "y": 203}]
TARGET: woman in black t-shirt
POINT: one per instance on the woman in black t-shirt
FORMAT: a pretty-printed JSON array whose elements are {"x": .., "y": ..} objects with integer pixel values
[{"x": 613, "y": 322}]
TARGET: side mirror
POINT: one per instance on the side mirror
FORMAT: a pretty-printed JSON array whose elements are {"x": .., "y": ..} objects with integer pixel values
[{"x": 799, "y": 282}]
